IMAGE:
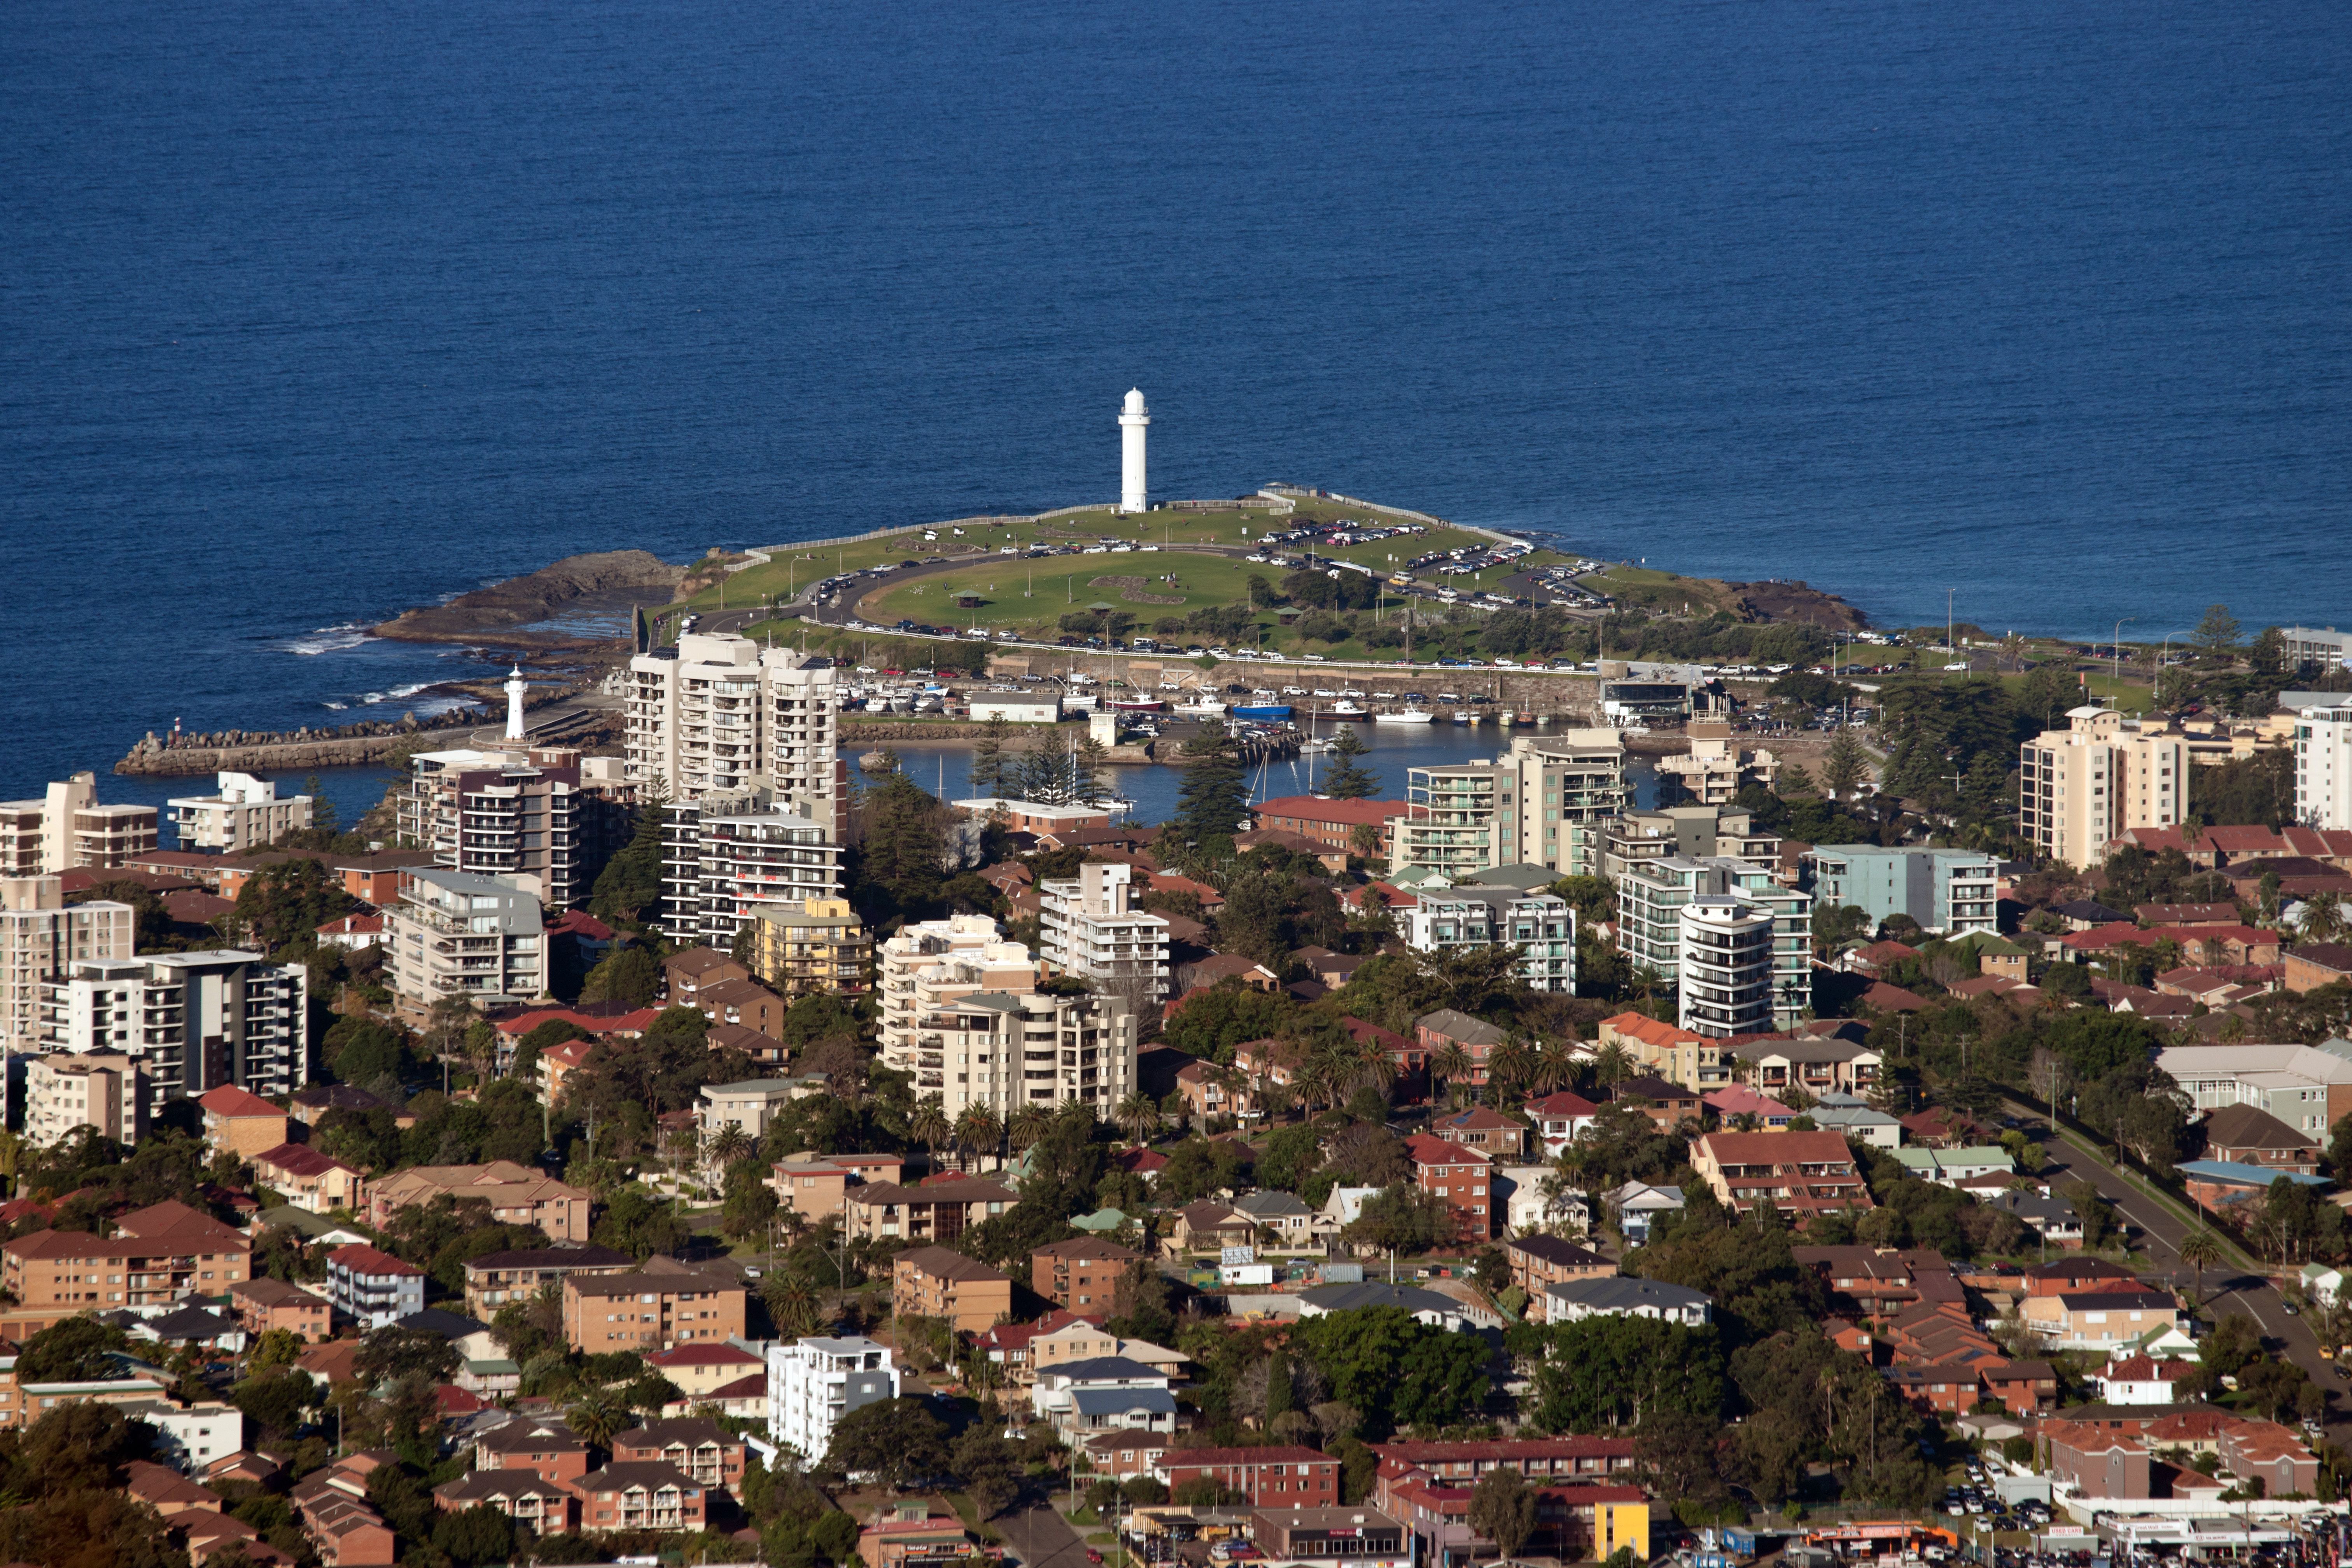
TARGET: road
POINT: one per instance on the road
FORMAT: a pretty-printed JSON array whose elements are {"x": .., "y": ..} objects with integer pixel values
[
  {"x": 2234, "y": 1289},
  {"x": 1041, "y": 1538}
]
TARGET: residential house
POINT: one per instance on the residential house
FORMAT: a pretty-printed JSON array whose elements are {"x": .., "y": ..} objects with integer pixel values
[
  {"x": 1817, "y": 1066},
  {"x": 1489, "y": 1131},
  {"x": 1105, "y": 1394},
  {"x": 371, "y": 1286},
  {"x": 542, "y": 1505},
  {"x": 1446, "y": 1028},
  {"x": 1617, "y": 1296},
  {"x": 1800, "y": 1173},
  {"x": 2243, "y": 1135},
  {"x": 1537, "y": 1261},
  {"x": 1637, "y": 1205},
  {"x": 1669, "y": 1105},
  {"x": 1857, "y": 1122},
  {"x": 2141, "y": 1380},
  {"x": 1531, "y": 1198},
  {"x": 1730, "y": 1105},
  {"x": 687, "y": 972},
  {"x": 1080, "y": 1338},
  {"x": 543, "y": 1447},
  {"x": 1293, "y": 1227},
  {"x": 1437, "y": 1309},
  {"x": 1689, "y": 1061},
  {"x": 1209, "y": 1228},
  {"x": 699, "y": 1368},
  {"x": 312, "y": 1182},
  {"x": 1559, "y": 1119},
  {"x": 660, "y": 1303},
  {"x": 516, "y": 1196},
  {"x": 1209, "y": 1095},
  {"x": 750, "y": 1105},
  {"x": 1955, "y": 1167},
  {"x": 932, "y": 1282},
  {"x": 2098, "y": 1321}
]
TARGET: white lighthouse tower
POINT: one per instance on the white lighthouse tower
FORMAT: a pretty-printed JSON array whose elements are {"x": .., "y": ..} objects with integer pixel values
[
  {"x": 1133, "y": 421},
  {"x": 516, "y": 688}
]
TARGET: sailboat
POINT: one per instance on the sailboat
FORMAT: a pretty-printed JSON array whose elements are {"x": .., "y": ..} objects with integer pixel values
[{"x": 1313, "y": 742}]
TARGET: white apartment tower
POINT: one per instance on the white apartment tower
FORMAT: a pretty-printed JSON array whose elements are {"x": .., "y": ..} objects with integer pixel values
[
  {"x": 1726, "y": 983},
  {"x": 2079, "y": 788},
  {"x": 242, "y": 813},
  {"x": 1652, "y": 895},
  {"x": 530, "y": 816},
  {"x": 1006, "y": 1049},
  {"x": 40, "y": 936},
  {"x": 719, "y": 714},
  {"x": 1134, "y": 423},
  {"x": 727, "y": 857},
  {"x": 1089, "y": 930},
  {"x": 2323, "y": 767},
  {"x": 813, "y": 1383},
  {"x": 67, "y": 828},
  {"x": 1540, "y": 804},
  {"x": 193, "y": 1021}
]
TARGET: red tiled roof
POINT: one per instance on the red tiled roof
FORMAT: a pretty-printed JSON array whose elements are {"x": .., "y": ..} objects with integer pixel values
[
  {"x": 361, "y": 1258},
  {"x": 232, "y": 1102},
  {"x": 297, "y": 1159},
  {"x": 1887, "y": 998},
  {"x": 1315, "y": 808},
  {"x": 1650, "y": 1031},
  {"x": 1562, "y": 1104},
  {"x": 1423, "y": 1149}
]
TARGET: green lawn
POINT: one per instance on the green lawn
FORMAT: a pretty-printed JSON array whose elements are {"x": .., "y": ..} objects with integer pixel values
[{"x": 1037, "y": 594}]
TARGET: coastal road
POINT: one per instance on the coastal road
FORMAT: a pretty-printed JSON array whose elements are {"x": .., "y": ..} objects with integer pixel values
[{"x": 2233, "y": 1288}]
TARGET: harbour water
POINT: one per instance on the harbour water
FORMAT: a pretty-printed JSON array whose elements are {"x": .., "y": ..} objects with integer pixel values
[{"x": 314, "y": 313}]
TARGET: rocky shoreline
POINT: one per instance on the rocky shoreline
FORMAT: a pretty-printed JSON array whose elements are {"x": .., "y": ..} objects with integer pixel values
[{"x": 601, "y": 580}]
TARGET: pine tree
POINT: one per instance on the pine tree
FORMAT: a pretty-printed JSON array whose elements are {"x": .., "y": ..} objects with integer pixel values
[
  {"x": 630, "y": 883},
  {"x": 1845, "y": 766},
  {"x": 902, "y": 846},
  {"x": 322, "y": 810},
  {"x": 1215, "y": 801},
  {"x": 1347, "y": 779},
  {"x": 988, "y": 758},
  {"x": 1093, "y": 757}
]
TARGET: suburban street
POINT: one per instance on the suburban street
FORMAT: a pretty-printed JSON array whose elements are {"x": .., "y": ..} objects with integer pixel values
[{"x": 2230, "y": 1288}]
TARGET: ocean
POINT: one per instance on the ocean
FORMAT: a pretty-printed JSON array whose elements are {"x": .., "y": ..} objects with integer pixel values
[{"x": 313, "y": 313}]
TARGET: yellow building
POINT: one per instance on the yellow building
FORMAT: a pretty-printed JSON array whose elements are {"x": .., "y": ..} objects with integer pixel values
[
  {"x": 2080, "y": 788},
  {"x": 818, "y": 945}
]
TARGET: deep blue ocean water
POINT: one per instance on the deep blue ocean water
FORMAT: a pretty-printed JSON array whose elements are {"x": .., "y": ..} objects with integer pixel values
[{"x": 308, "y": 313}]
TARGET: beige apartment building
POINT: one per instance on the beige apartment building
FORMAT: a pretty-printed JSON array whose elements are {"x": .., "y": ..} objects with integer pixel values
[
  {"x": 196, "y": 1021},
  {"x": 40, "y": 936},
  {"x": 2080, "y": 788},
  {"x": 104, "y": 1091},
  {"x": 67, "y": 829},
  {"x": 812, "y": 946},
  {"x": 1535, "y": 805},
  {"x": 934, "y": 962},
  {"x": 242, "y": 813},
  {"x": 726, "y": 858},
  {"x": 1090, "y": 929},
  {"x": 535, "y": 817},
  {"x": 719, "y": 713},
  {"x": 455, "y": 934}
]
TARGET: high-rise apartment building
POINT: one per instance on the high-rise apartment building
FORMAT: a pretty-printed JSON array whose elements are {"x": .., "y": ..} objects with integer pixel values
[
  {"x": 727, "y": 857},
  {"x": 2323, "y": 767},
  {"x": 2079, "y": 788},
  {"x": 1692, "y": 831},
  {"x": 1650, "y": 900},
  {"x": 67, "y": 829},
  {"x": 1005, "y": 1049},
  {"x": 1949, "y": 892},
  {"x": 813, "y": 1383},
  {"x": 106, "y": 1091},
  {"x": 242, "y": 813},
  {"x": 455, "y": 934},
  {"x": 1522, "y": 808},
  {"x": 1725, "y": 977},
  {"x": 719, "y": 713},
  {"x": 526, "y": 816},
  {"x": 1542, "y": 926},
  {"x": 1090, "y": 930},
  {"x": 194, "y": 1021},
  {"x": 933, "y": 962},
  {"x": 39, "y": 935}
]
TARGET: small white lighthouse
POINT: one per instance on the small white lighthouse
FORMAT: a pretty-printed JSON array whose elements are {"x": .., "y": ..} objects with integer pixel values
[
  {"x": 516, "y": 689},
  {"x": 1133, "y": 421}
]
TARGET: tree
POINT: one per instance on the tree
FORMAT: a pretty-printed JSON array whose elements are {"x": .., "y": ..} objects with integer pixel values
[
  {"x": 988, "y": 759},
  {"x": 897, "y": 1441},
  {"x": 1348, "y": 779},
  {"x": 630, "y": 883},
  {"x": 1847, "y": 765},
  {"x": 1400, "y": 1218},
  {"x": 276, "y": 1399},
  {"x": 1608, "y": 1373},
  {"x": 78, "y": 1349},
  {"x": 1138, "y": 1117},
  {"x": 599, "y": 1414},
  {"x": 392, "y": 1351},
  {"x": 2217, "y": 634},
  {"x": 990, "y": 1467},
  {"x": 1395, "y": 1371},
  {"x": 2200, "y": 1249},
  {"x": 900, "y": 851},
  {"x": 627, "y": 974},
  {"x": 1503, "y": 1509},
  {"x": 474, "y": 1535},
  {"x": 929, "y": 1125},
  {"x": 1213, "y": 802}
]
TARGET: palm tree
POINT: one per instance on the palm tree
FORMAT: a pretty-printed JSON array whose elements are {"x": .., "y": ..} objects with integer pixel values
[
  {"x": 2013, "y": 651},
  {"x": 928, "y": 1126},
  {"x": 1611, "y": 1066},
  {"x": 1028, "y": 1125},
  {"x": 978, "y": 1131},
  {"x": 1138, "y": 1117},
  {"x": 2322, "y": 916},
  {"x": 2200, "y": 1249},
  {"x": 1510, "y": 1064},
  {"x": 1554, "y": 1069},
  {"x": 598, "y": 1415},
  {"x": 1449, "y": 1061},
  {"x": 794, "y": 1306},
  {"x": 729, "y": 1144}
]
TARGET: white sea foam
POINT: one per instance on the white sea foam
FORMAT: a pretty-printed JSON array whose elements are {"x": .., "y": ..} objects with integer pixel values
[
  {"x": 328, "y": 639},
  {"x": 338, "y": 706}
]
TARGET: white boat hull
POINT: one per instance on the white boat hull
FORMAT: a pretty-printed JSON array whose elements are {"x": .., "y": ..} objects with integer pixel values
[{"x": 1402, "y": 718}]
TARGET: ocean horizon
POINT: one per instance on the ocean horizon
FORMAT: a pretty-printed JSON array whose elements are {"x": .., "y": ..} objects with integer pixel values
[{"x": 318, "y": 314}]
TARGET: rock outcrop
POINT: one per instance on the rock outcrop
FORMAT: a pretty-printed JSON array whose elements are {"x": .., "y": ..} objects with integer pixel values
[{"x": 604, "y": 578}]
